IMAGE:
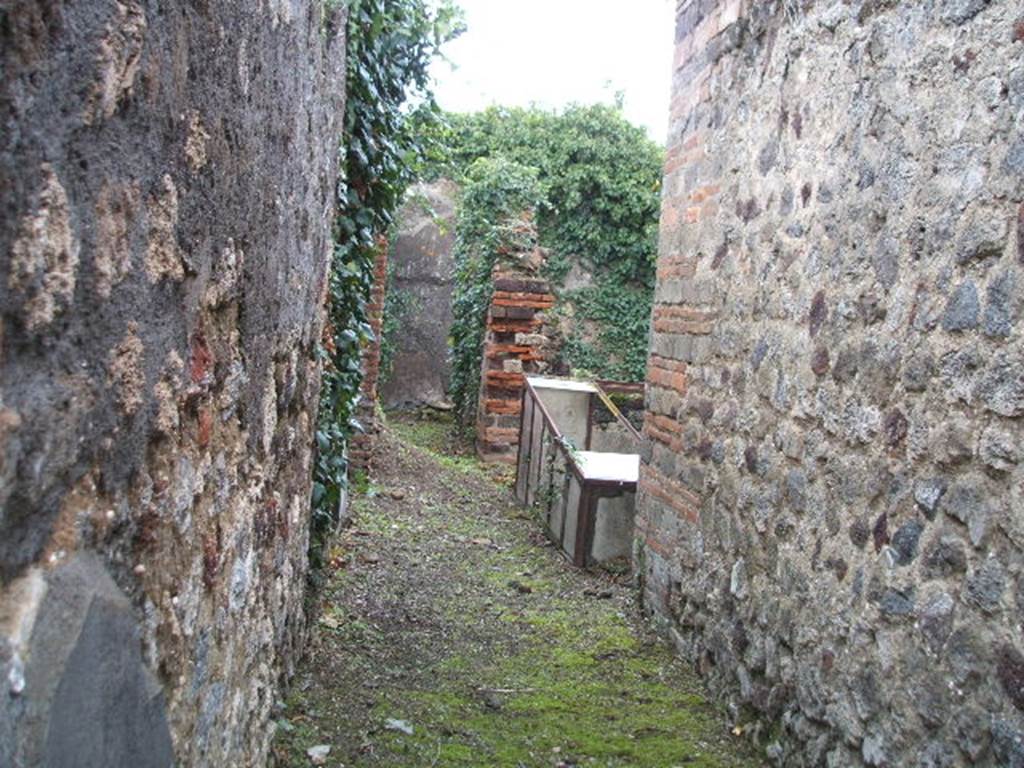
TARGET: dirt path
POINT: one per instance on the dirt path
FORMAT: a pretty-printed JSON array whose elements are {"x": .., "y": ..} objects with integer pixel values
[{"x": 454, "y": 635}]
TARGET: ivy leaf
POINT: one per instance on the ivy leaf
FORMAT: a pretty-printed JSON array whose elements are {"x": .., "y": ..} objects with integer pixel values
[{"x": 391, "y": 44}]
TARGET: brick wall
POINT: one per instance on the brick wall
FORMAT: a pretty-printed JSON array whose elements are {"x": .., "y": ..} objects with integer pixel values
[
  {"x": 829, "y": 518},
  {"x": 515, "y": 344}
]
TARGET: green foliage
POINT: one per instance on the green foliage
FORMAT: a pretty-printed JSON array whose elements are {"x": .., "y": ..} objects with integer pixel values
[
  {"x": 398, "y": 306},
  {"x": 497, "y": 205},
  {"x": 600, "y": 174},
  {"x": 600, "y": 179},
  {"x": 621, "y": 314},
  {"x": 390, "y": 46}
]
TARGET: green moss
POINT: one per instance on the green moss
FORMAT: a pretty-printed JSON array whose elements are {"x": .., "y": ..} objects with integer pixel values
[
  {"x": 441, "y": 437},
  {"x": 579, "y": 682},
  {"x": 438, "y": 635},
  {"x": 432, "y": 432},
  {"x": 550, "y": 698}
]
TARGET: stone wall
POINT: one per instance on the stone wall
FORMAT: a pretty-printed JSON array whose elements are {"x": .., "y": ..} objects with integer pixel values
[
  {"x": 167, "y": 176},
  {"x": 831, "y": 515},
  {"x": 421, "y": 285}
]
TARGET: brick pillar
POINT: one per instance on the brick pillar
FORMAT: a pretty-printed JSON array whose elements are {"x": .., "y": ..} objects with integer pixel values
[
  {"x": 515, "y": 345},
  {"x": 669, "y": 498},
  {"x": 362, "y": 444}
]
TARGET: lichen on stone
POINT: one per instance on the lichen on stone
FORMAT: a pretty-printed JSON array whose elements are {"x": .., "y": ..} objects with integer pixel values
[
  {"x": 126, "y": 373},
  {"x": 118, "y": 56},
  {"x": 167, "y": 418},
  {"x": 116, "y": 209},
  {"x": 44, "y": 258},
  {"x": 195, "y": 142},
  {"x": 163, "y": 258}
]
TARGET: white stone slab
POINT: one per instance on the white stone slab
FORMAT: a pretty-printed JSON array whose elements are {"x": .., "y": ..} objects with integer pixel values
[
  {"x": 617, "y": 467},
  {"x": 540, "y": 382}
]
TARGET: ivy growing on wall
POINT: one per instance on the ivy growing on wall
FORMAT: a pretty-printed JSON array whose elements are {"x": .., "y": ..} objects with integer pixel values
[
  {"x": 621, "y": 314},
  {"x": 390, "y": 46},
  {"x": 399, "y": 306},
  {"x": 600, "y": 179},
  {"x": 495, "y": 215}
]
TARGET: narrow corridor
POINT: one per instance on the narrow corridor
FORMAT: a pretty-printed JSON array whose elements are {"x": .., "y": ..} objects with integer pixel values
[{"x": 453, "y": 634}]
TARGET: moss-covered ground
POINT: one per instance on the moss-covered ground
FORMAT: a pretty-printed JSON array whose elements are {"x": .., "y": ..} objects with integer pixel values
[{"x": 453, "y": 634}]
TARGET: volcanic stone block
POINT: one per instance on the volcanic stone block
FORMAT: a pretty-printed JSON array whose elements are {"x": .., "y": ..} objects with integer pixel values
[
  {"x": 421, "y": 284},
  {"x": 168, "y": 183},
  {"x": 88, "y": 700}
]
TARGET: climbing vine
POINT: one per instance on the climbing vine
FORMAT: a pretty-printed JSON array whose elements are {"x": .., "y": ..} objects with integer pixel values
[
  {"x": 600, "y": 179},
  {"x": 399, "y": 306},
  {"x": 390, "y": 46},
  {"x": 495, "y": 213},
  {"x": 600, "y": 174},
  {"x": 621, "y": 314}
]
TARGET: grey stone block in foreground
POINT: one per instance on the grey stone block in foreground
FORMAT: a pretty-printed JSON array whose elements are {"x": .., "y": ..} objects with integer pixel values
[{"x": 87, "y": 698}]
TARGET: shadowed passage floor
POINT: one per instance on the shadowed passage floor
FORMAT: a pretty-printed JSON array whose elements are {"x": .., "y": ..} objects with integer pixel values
[{"x": 453, "y": 634}]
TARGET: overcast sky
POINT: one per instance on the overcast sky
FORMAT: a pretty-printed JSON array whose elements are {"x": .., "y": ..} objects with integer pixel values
[{"x": 552, "y": 52}]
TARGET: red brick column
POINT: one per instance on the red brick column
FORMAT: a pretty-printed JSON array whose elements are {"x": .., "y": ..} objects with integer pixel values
[
  {"x": 362, "y": 444},
  {"x": 670, "y": 497},
  {"x": 515, "y": 345}
]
